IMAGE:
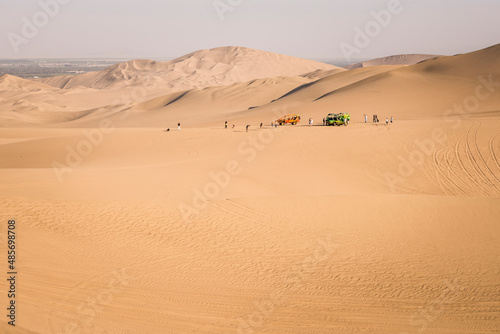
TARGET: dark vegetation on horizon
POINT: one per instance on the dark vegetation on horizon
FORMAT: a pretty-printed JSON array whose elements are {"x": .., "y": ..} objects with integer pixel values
[{"x": 43, "y": 68}]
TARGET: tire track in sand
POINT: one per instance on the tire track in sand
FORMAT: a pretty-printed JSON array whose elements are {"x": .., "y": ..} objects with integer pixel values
[
  {"x": 491, "y": 182},
  {"x": 492, "y": 150},
  {"x": 464, "y": 169},
  {"x": 447, "y": 164},
  {"x": 480, "y": 176}
]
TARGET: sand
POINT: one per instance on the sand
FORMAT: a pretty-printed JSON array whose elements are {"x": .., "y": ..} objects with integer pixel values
[
  {"x": 370, "y": 228},
  {"x": 404, "y": 59}
]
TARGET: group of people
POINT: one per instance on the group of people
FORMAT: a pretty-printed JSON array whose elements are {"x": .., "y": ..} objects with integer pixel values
[
  {"x": 376, "y": 120},
  {"x": 178, "y": 127},
  {"x": 248, "y": 125},
  {"x": 311, "y": 121}
]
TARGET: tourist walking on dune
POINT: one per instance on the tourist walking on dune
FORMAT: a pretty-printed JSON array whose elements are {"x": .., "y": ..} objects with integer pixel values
[
  {"x": 261, "y": 125},
  {"x": 225, "y": 124},
  {"x": 391, "y": 119},
  {"x": 387, "y": 121},
  {"x": 247, "y": 127},
  {"x": 366, "y": 118},
  {"x": 179, "y": 126}
]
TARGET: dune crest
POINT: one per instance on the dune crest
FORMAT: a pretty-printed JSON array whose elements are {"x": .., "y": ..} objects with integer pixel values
[
  {"x": 200, "y": 69},
  {"x": 404, "y": 59},
  {"x": 125, "y": 227},
  {"x": 241, "y": 84},
  {"x": 10, "y": 82}
]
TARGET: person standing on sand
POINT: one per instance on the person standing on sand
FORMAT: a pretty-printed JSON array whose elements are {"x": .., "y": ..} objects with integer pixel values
[
  {"x": 366, "y": 118},
  {"x": 387, "y": 121},
  {"x": 261, "y": 125},
  {"x": 179, "y": 126},
  {"x": 248, "y": 127},
  {"x": 233, "y": 126},
  {"x": 391, "y": 119},
  {"x": 225, "y": 125},
  {"x": 324, "y": 121}
]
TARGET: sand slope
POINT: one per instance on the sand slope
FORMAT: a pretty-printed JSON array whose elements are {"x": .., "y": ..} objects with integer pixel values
[
  {"x": 405, "y": 59},
  {"x": 428, "y": 89},
  {"x": 204, "y": 68},
  {"x": 368, "y": 228},
  {"x": 77, "y": 99},
  {"x": 384, "y": 254}
]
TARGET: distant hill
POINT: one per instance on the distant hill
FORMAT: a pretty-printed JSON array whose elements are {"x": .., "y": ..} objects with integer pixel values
[
  {"x": 10, "y": 82},
  {"x": 200, "y": 69},
  {"x": 245, "y": 85},
  {"x": 405, "y": 59}
]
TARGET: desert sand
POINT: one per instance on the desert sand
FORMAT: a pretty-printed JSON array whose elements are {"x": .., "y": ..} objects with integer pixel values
[
  {"x": 404, "y": 59},
  {"x": 123, "y": 227}
]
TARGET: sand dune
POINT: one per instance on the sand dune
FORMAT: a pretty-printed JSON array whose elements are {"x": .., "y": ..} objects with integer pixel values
[
  {"x": 427, "y": 89},
  {"x": 215, "y": 67},
  {"x": 367, "y": 228},
  {"x": 385, "y": 254},
  {"x": 90, "y": 96},
  {"x": 434, "y": 88},
  {"x": 11, "y": 82},
  {"x": 406, "y": 59}
]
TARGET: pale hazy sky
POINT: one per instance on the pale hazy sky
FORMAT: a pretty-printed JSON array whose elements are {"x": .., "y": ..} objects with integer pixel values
[{"x": 303, "y": 28}]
